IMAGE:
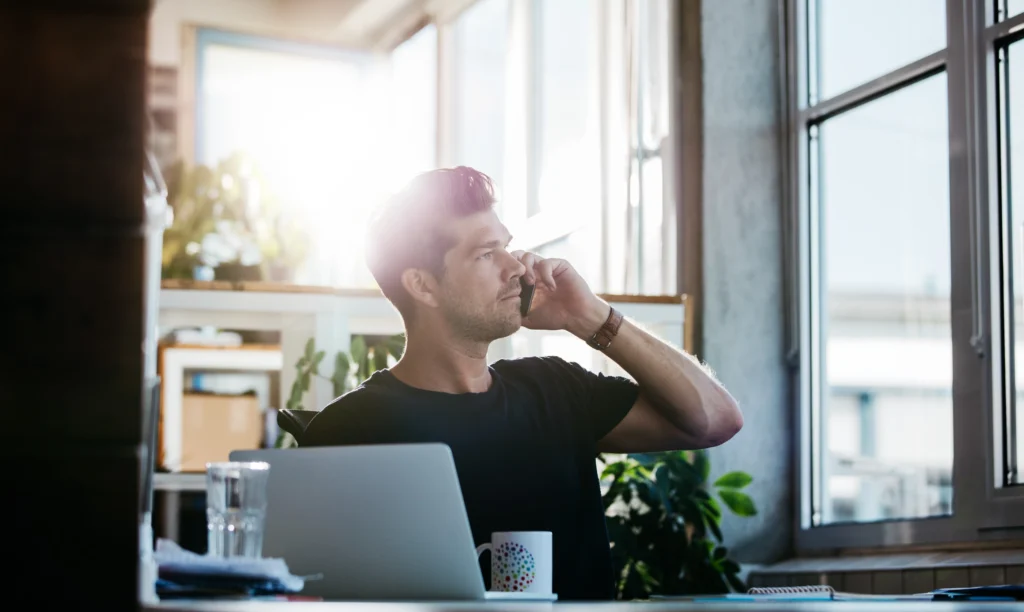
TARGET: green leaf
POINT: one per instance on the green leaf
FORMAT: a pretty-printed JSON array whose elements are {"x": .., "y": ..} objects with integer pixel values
[
  {"x": 711, "y": 508},
  {"x": 342, "y": 366},
  {"x": 734, "y": 480},
  {"x": 317, "y": 358},
  {"x": 310, "y": 349},
  {"x": 613, "y": 470},
  {"x": 739, "y": 503},
  {"x": 730, "y": 566},
  {"x": 720, "y": 553},
  {"x": 645, "y": 459},
  {"x": 735, "y": 583},
  {"x": 380, "y": 358},
  {"x": 701, "y": 464},
  {"x": 712, "y": 523},
  {"x": 358, "y": 350}
]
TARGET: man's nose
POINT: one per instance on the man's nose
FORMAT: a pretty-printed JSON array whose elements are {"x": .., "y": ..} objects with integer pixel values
[{"x": 516, "y": 268}]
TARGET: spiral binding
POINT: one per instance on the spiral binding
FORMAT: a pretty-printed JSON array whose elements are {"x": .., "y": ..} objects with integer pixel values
[{"x": 789, "y": 590}]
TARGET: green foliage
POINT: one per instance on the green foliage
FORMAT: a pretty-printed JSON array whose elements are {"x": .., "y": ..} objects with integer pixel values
[
  {"x": 664, "y": 522},
  {"x": 350, "y": 370},
  {"x": 232, "y": 203}
]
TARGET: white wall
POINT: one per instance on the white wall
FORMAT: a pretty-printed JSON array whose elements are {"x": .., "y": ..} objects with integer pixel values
[{"x": 340, "y": 22}]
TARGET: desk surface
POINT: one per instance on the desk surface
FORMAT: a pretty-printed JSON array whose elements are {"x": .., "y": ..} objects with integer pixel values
[{"x": 638, "y": 606}]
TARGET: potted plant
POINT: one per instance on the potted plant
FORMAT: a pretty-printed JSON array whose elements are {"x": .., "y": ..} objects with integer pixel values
[
  {"x": 228, "y": 222},
  {"x": 664, "y": 522},
  {"x": 350, "y": 369}
]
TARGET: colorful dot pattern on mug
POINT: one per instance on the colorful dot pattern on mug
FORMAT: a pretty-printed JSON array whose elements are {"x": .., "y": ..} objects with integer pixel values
[{"x": 512, "y": 568}]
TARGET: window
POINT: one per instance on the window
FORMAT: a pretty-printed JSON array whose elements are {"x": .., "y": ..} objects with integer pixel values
[
  {"x": 1013, "y": 7},
  {"x": 908, "y": 249},
  {"x": 886, "y": 409},
  {"x": 521, "y": 99},
  {"x": 318, "y": 121},
  {"x": 305, "y": 115},
  {"x": 413, "y": 97},
  {"x": 479, "y": 49},
  {"x": 565, "y": 128},
  {"x": 845, "y": 56}
]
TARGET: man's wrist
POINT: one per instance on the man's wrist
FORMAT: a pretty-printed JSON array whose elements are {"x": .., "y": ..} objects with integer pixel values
[{"x": 590, "y": 321}]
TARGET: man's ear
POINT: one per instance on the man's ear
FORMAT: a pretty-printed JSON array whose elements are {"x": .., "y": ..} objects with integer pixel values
[{"x": 421, "y": 285}]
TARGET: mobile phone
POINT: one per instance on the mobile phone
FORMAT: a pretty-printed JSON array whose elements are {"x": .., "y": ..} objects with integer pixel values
[{"x": 526, "y": 297}]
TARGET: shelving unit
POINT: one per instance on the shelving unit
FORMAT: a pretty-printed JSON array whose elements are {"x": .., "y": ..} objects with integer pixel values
[{"x": 176, "y": 359}]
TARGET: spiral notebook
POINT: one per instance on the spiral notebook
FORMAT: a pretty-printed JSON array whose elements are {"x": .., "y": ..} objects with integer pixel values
[{"x": 812, "y": 592}]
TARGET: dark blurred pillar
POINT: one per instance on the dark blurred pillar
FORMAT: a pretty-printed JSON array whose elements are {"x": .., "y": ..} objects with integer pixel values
[{"x": 72, "y": 78}]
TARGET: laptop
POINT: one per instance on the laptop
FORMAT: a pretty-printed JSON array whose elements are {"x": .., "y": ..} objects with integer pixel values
[{"x": 379, "y": 523}]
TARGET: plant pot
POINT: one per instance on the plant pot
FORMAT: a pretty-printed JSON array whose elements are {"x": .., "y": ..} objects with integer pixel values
[{"x": 238, "y": 272}]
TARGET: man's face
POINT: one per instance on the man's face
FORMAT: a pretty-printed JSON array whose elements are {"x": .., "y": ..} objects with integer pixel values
[{"x": 480, "y": 288}]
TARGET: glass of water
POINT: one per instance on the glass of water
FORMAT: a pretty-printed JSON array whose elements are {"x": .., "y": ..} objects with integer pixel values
[{"x": 236, "y": 505}]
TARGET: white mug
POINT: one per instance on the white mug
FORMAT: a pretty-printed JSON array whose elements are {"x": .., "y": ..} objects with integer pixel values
[{"x": 520, "y": 561}]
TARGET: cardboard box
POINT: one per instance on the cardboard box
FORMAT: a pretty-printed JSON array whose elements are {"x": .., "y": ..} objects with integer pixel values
[{"x": 214, "y": 425}]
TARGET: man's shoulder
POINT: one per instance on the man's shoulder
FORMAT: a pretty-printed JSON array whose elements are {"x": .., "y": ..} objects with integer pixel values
[
  {"x": 370, "y": 390},
  {"x": 547, "y": 370}
]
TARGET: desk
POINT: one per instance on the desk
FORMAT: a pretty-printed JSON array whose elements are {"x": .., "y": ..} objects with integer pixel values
[{"x": 639, "y": 606}]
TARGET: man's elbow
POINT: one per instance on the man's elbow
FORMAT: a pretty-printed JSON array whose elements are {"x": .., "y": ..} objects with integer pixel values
[{"x": 725, "y": 421}]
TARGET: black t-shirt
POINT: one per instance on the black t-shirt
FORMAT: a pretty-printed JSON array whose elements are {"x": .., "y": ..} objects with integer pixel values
[{"x": 524, "y": 450}]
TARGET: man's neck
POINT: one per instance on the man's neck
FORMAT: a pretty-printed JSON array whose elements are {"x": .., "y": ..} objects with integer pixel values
[{"x": 443, "y": 365}]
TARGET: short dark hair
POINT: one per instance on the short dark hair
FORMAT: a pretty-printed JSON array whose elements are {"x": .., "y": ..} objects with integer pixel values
[{"x": 408, "y": 231}]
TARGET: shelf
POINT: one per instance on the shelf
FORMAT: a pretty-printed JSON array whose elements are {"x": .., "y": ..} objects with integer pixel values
[{"x": 164, "y": 481}]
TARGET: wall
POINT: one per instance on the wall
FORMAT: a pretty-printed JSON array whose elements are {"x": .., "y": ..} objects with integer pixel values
[
  {"x": 743, "y": 319},
  {"x": 349, "y": 23},
  {"x": 169, "y": 16}
]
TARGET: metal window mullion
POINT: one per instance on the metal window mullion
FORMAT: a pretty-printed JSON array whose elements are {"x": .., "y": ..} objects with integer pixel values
[
  {"x": 1003, "y": 228},
  {"x": 971, "y": 262},
  {"x": 876, "y": 88},
  {"x": 1003, "y": 29}
]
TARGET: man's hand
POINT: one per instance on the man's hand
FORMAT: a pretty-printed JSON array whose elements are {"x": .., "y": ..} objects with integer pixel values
[
  {"x": 563, "y": 300},
  {"x": 681, "y": 404}
]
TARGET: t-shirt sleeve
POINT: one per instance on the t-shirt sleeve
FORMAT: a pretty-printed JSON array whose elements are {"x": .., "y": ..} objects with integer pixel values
[{"x": 605, "y": 399}]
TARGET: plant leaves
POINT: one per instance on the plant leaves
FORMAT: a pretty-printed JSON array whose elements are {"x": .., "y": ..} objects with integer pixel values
[
  {"x": 380, "y": 358},
  {"x": 310, "y": 349},
  {"x": 734, "y": 480},
  {"x": 645, "y": 459},
  {"x": 701, "y": 464},
  {"x": 711, "y": 508},
  {"x": 739, "y": 503},
  {"x": 720, "y": 553},
  {"x": 317, "y": 358},
  {"x": 396, "y": 345},
  {"x": 712, "y": 523},
  {"x": 735, "y": 583},
  {"x": 358, "y": 350}
]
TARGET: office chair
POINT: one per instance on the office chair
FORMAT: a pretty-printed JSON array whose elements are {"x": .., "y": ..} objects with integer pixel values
[{"x": 295, "y": 422}]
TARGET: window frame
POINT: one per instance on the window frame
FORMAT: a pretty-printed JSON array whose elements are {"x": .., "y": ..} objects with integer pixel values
[
  {"x": 983, "y": 509},
  {"x": 206, "y": 36}
]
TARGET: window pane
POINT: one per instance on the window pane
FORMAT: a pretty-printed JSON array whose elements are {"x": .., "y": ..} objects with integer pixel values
[
  {"x": 413, "y": 99},
  {"x": 306, "y": 117},
  {"x": 864, "y": 39},
  {"x": 1013, "y": 7},
  {"x": 1015, "y": 98},
  {"x": 562, "y": 64},
  {"x": 481, "y": 35},
  {"x": 886, "y": 414}
]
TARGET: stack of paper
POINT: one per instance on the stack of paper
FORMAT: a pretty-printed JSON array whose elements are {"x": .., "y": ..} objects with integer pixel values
[{"x": 183, "y": 573}]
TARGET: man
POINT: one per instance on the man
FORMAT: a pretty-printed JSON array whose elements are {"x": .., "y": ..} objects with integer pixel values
[{"x": 524, "y": 432}]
